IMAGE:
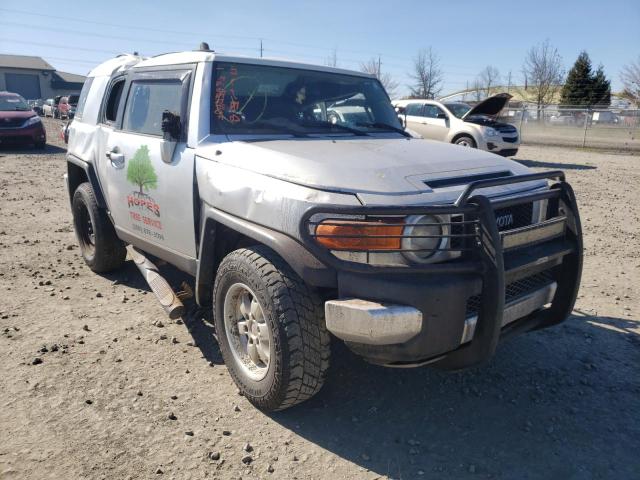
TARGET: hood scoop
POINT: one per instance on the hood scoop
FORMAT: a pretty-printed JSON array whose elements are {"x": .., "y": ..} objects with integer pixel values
[{"x": 465, "y": 180}]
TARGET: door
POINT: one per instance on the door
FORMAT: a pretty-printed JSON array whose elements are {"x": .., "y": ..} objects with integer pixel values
[
  {"x": 435, "y": 122},
  {"x": 150, "y": 192},
  {"x": 414, "y": 119}
]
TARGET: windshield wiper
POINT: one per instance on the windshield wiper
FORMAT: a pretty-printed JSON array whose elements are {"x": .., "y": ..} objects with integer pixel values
[
  {"x": 282, "y": 128},
  {"x": 355, "y": 131},
  {"x": 384, "y": 126}
]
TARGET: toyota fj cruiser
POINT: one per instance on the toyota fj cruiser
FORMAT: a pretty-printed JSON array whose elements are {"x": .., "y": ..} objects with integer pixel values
[{"x": 300, "y": 221}]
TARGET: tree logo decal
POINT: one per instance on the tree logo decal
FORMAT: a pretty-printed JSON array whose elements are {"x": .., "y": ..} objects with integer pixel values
[{"x": 140, "y": 171}]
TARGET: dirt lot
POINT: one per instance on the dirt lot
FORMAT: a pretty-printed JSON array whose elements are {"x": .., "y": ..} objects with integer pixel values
[{"x": 562, "y": 403}]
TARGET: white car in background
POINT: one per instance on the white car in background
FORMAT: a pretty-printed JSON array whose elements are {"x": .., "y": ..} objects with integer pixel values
[{"x": 459, "y": 123}]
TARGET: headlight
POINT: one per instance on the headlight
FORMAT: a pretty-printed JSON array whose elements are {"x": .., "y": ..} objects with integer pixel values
[
  {"x": 491, "y": 132},
  {"x": 32, "y": 121},
  {"x": 423, "y": 236}
]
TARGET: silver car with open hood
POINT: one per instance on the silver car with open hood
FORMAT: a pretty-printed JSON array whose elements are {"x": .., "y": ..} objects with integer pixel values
[{"x": 461, "y": 124}]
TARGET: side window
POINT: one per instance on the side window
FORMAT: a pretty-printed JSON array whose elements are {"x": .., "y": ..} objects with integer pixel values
[
  {"x": 432, "y": 111},
  {"x": 83, "y": 97},
  {"x": 414, "y": 109},
  {"x": 147, "y": 100},
  {"x": 110, "y": 113}
]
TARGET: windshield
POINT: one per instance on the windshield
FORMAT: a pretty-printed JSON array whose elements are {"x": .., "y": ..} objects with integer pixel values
[
  {"x": 458, "y": 109},
  {"x": 260, "y": 99},
  {"x": 11, "y": 103}
]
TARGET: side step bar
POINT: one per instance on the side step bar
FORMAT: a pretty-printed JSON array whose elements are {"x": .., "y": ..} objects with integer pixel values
[{"x": 159, "y": 286}]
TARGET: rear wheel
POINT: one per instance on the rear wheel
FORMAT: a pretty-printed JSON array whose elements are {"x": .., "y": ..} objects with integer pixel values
[
  {"x": 101, "y": 249},
  {"x": 466, "y": 141},
  {"x": 270, "y": 328}
]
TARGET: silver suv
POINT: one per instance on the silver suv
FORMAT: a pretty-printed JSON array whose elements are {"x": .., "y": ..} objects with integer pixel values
[
  {"x": 459, "y": 123},
  {"x": 305, "y": 212}
]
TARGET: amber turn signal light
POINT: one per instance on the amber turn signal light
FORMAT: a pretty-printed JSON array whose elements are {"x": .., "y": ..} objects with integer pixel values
[{"x": 359, "y": 236}]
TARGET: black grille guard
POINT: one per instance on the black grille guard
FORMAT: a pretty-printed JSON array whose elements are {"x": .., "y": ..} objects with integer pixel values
[{"x": 486, "y": 257}]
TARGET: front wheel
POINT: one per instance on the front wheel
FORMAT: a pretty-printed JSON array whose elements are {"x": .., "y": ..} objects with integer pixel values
[
  {"x": 102, "y": 250},
  {"x": 466, "y": 141},
  {"x": 270, "y": 328}
]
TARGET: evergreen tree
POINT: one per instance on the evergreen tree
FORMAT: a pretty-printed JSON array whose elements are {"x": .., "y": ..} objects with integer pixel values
[
  {"x": 600, "y": 89},
  {"x": 578, "y": 87}
]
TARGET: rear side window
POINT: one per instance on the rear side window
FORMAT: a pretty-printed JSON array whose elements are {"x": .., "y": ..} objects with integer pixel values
[
  {"x": 148, "y": 99},
  {"x": 83, "y": 97},
  {"x": 110, "y": 113},
  {"x": 432, "y": 111},
  {"x": 414, "y": 109}
]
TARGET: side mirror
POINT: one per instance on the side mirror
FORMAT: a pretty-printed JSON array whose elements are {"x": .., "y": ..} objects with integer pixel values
[
  {"x": 171, "y": 130},
  {"x": 171, "y": 126}
]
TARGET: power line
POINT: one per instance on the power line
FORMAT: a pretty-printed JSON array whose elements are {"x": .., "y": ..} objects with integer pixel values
[
  {"x": 64, "y": 47},
  {"x": 202, "y": 34},
  {"x": 110, "y": 37}
]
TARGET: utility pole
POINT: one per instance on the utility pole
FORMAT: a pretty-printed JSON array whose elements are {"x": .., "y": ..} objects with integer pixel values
[
  {"x": 379, "y": 66},
  {"x": 509, "y": 82},
  {"x": 261, "y": 50}
]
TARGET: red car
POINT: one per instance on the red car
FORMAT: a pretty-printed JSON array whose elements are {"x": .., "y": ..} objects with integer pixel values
[
  {"x": 67, "y": 106},
  {"x": 19, "y": 124}
]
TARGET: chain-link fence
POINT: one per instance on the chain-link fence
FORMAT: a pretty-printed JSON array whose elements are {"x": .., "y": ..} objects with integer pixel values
[{"x": 617, "y": 129}]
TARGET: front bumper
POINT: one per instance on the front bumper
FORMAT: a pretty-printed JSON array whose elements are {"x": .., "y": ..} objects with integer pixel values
[
  {"x": 507, "y": 282},
  {"x": 503, "y": 144},
  {"x": 23, "y": 135}
]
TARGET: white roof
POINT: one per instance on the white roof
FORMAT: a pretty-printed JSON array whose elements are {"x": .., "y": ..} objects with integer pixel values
[
  {"x": 123, "y": 62},
  {"x": 414, "y": 100}
]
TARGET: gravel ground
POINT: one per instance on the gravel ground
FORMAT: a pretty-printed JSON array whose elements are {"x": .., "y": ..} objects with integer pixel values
[{"x": 95, "y": 382}]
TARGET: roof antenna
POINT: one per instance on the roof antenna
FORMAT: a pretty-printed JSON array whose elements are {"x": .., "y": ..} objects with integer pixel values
[{"x": 204, "y": 46}]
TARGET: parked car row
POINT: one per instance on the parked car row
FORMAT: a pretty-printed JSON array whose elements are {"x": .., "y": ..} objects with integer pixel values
[{"x": 63, "y": 107}]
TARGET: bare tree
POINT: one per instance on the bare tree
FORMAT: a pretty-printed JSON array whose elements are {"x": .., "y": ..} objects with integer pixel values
[
  {"x": 427, "y": 75},
  {"x": 543, "y": 73},
  {"x": 630, "y": 77},
  {"x": 476, "y": 87},
  {"x": 332, "y": 60},
  {"x": 488, "y": 78},
  {"x": 374, "y": 67}
]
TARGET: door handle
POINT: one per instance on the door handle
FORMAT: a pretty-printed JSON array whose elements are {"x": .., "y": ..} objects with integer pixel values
[{"x": 117, "y": 158}]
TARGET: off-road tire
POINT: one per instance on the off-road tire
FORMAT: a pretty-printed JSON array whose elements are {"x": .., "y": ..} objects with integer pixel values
[
  {"x": 40, "y": 145},
  {"x": 466, "y": 141},
  {"x": 108, "y": 252},
  {"x": 300, "y": 347}
]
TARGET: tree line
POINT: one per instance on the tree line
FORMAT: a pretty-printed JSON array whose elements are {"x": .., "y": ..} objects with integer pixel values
[{"x": 542, "y": 71}]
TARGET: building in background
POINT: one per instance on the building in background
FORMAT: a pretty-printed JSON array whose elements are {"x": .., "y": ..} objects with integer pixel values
[{"x": 34, "y": 78}]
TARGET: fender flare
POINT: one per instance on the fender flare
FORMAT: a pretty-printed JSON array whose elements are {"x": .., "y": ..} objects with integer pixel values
[
  {"x": 90, "y": 173},
  {"x": 306, "y": 265}
]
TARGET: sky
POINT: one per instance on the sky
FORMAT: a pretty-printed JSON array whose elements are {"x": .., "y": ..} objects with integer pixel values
[{"x": 74, "y": 36}]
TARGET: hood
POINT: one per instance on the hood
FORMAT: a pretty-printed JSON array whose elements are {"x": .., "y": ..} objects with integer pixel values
[
  {"x": 491, "y": 106},
  {"x": 16, "y": 114},
  {"x": 367, "y": 167}
]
